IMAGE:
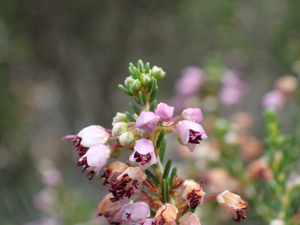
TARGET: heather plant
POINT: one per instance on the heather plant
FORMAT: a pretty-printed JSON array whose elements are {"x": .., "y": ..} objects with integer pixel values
[{"x": 146, "y": 189}]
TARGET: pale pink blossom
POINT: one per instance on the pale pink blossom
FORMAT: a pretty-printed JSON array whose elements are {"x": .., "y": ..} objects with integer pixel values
[
  {"x": 233, "y": 204},
  {"x": 233, "y": 89},
  {"x": 164, "y": 112},
  {"x": 190, "y": 134},
  {"x": 191, "y": 81},
  {"x": 127, "y": 185},
  {"x": 147, "y": 121},
  {"x": 51, "y": 177},
  {"x": 189, "y": 219},
  {"x": 273, "y": 99},
  {"x": 192, "y": 114},
  {"x": 234, "y": 79},
  {"x": 166, "y": 215},
  {"x": 117, "y": 219},
  {"x": 112, "y": 171},
  {"x": 136, "y": 213},
  {"x": 108, "y": 208},
  {"x": 90, "y": 136},
  {"x": 93, "y": 135},
  {"x": 193, "y": 194},
  {"x": 144, "y": 154},
  {"x": 94, "y": 159},
  {"x": 230, "y": 96}
]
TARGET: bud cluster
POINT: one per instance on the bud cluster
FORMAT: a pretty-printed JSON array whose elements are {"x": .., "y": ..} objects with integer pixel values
[
  {"x": 136, "y": 192},
  {"x": 142, "y": 82}
]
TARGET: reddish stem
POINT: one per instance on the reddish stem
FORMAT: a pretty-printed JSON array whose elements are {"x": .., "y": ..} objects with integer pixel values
[
  {"x": 175, "y": 118},
  {"x": 211, "y": 197},
  {"x": 172, "y": 129},
  {"x": 146, "y": 194},
  {"x": 114, "y": 147},
  {"x": 147, "y": 185},
  {"x": 150, "y": 183}
]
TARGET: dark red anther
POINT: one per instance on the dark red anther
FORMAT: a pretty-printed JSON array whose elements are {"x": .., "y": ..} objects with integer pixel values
[
  {"x": 193, "y": 138},
  {"x": 162, "y": 221},
  {"x": 194, "y": 199},
  {"x": 82, "y": 162},
  {"x": 240, "y": 215},
  {"x": 136, "y": 184},
  {"x": 81, "y": 150},
  {"x": 106, "y": 174},
  {"x": 76, "y": 141},
  {"x": 90, "y": 175},
  {"x": 143, "y": 159}
]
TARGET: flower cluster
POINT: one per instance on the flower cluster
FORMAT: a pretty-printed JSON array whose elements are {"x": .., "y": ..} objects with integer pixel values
[{"x": 136, "y": 192}]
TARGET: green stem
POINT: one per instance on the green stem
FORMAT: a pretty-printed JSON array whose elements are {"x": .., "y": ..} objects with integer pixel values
[{"x": 146, "y": 106}]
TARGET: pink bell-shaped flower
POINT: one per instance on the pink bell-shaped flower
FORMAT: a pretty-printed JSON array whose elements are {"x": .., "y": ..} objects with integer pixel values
[
  {"x": 93, "y": 135},
  {"x": 166, "y": 215},
  {"x": 147, "y": 121},
  {"x": 164, "y": 112},
  {"x": 192, "y": 114},
  {"x": 90, "y": 136},
  {"x": 144, "y": 154},
  {"x": 190, "y": 133},
  {"x": 94, "y": 159},
  {"x": 136, "y": 213},
  {"x": 189, "y": 219},
  {"x": 108, "y": 208},
  {"x": 127, "y": 184}
]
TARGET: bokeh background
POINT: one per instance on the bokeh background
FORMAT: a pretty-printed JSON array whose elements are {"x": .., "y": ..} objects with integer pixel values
[{"x": 61, "y": 62}]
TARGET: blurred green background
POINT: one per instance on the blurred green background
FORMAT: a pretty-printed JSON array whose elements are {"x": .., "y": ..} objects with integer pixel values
[{"x": 61, "y": 62}]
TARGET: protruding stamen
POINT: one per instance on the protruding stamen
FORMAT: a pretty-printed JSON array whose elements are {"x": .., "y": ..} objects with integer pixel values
[
  {"x": 199, "y": 134},
  {"x": 194, "y": 138},
  {"x": 68, "y": 137}
]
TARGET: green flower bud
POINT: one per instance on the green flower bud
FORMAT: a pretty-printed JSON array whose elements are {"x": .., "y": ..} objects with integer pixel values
[
  {"x": 145, "y": 79},
  {"x": 120, "y": 117},
  {"x": 128, "y": 81},
  {"x": 136, "y": 85},
  {"x": 131, "y": 88},
  {"x": 119, "y": 128},
  {"x": 113, "y": 141},
  {"x": 114, "y": 154},
  {"x": 157, "y": 73},
  {"x": 126, "y": 139}
]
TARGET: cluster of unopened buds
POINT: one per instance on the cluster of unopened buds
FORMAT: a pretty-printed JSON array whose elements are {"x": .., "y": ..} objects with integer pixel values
[{"x": 136, "y": 193}]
